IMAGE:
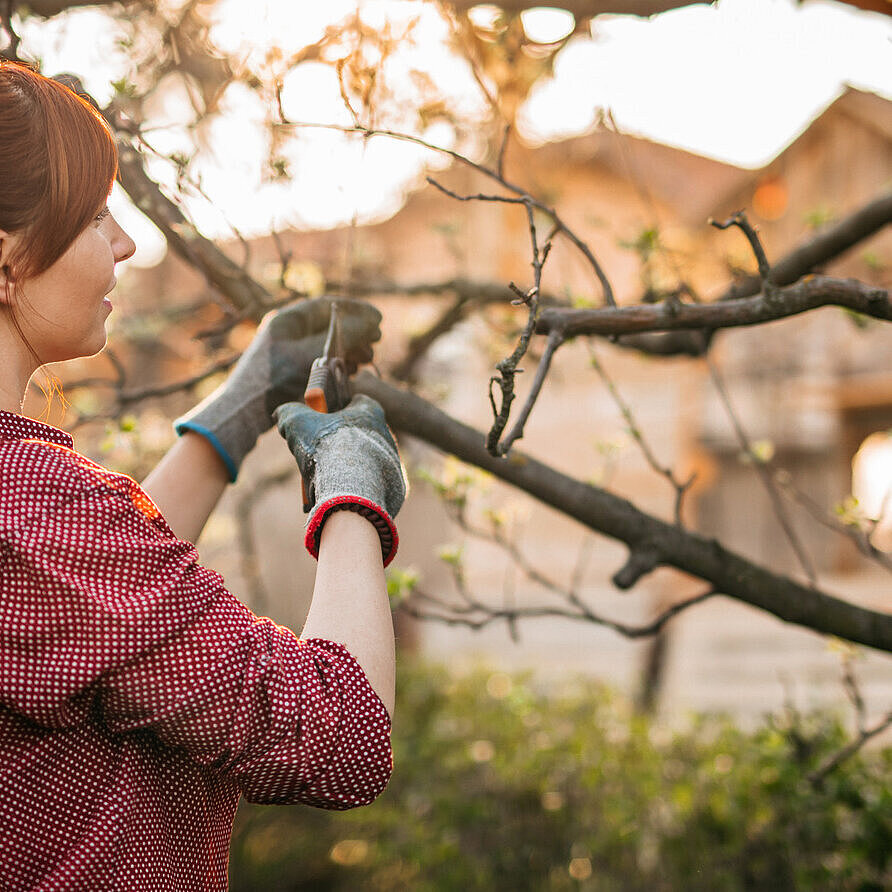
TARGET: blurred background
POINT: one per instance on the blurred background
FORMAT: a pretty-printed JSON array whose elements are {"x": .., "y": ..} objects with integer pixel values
[{"x": 551, "y": 734}]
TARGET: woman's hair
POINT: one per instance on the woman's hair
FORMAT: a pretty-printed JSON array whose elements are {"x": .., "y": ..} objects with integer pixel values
[{"x": 58, "y": 161}]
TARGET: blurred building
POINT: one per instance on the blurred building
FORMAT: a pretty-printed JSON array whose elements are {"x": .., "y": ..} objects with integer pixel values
[{"x": 810, "y": 392}]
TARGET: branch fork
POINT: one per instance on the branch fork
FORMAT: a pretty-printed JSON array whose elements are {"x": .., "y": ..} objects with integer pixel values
[{"x": 740, "y": 220}]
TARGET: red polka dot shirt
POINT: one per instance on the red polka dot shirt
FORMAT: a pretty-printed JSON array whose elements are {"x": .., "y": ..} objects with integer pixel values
[{"x": 139, "y": 698}]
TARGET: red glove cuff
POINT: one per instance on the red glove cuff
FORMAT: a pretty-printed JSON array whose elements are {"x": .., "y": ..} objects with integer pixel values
[{"x": 375, "y": 514}]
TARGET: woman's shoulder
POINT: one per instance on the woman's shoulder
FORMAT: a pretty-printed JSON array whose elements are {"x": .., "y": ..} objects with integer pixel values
[
  {"x": 36, "y": 474},
  {"x": 32, "y": 460}
]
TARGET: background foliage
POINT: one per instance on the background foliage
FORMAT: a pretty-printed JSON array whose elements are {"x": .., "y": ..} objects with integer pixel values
[{"x": 498, "y": 786}]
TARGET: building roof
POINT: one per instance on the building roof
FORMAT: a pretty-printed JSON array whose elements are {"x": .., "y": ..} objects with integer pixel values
[
  {"x": 663, "y": 171},
  {"x": 667, "y": 172},
  {"x": 870, "y": 110}
]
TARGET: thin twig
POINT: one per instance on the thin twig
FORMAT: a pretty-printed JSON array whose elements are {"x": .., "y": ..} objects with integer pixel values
[
  {"x": 479, "y": 196},
  {"x": 476, "y": 613},
  {"x": 500, "y": 167},
  {"x": 455, "y": 615},
  {"x": 519, "y": 559},
  {"x": 132, "y": 396},
  {"x": 680, "y": 488},
  {"x": 853, "y": 691},
  {"x": 741, "y": 222},
  {"x": 858, "y": 536},
  {"x": 123, "y": 398},
  {"x": 507, "y": 367},
  {"x": 559, "y": 223},
  {"x": 555, "y": 339},
  {"x": 765, "y": 475},
  {"x": 818, "y": 777}
]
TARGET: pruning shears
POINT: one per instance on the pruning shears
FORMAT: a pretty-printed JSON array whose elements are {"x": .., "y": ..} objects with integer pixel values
[{"x": 327, "y": 386}]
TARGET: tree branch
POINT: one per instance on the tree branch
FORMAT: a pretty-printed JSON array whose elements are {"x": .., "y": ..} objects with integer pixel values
[
  {"x": 802, "y": 260},
  {"x": 728, "y": 573},
  {"x": 766, "y": 281},
  {"x": 507, "y": 367},
  {"x": 808, "y": 294},
  {"x": 470, "y": 289},
  {"x": 526, "y": 198},
  {"x": 826, "y": 246},
  {"x": 555, "y": 339}
]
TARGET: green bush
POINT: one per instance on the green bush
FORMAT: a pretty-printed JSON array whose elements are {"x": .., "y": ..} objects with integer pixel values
[{"x": 498, "y": 787}]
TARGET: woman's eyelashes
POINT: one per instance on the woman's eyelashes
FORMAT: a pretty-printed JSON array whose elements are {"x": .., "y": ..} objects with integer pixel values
[{"x": 102, "y": 215}]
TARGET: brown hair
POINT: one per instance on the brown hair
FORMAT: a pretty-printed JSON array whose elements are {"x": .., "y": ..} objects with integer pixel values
[{"x": 58, "y": 161}]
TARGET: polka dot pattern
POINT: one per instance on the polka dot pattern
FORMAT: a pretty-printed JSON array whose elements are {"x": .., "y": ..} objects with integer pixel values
[{"x": 139, "y": 698}]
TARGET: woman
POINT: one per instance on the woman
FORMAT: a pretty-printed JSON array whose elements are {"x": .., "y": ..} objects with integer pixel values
[{"x": 138, "y": 697}]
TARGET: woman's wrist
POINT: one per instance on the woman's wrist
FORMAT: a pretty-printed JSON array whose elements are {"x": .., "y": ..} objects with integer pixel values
[
  {"x": 187, "y": 484},
  {"x": 372, "y": 512}
]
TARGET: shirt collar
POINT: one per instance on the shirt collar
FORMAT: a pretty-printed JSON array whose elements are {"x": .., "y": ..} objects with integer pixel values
[{"x": 17, "y": 427}]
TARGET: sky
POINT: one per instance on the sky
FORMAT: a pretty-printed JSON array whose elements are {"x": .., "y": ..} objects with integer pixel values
[{"x": 737, "y": 81}]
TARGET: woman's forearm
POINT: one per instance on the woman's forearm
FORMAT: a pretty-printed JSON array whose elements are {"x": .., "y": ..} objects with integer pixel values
[
  {"x": 350, "y": 604},
  {"x": 187, "y": 484}
]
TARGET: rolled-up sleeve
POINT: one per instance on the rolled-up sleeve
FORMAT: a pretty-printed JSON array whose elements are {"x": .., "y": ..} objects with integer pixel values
[{"x": 103, "y": 611}]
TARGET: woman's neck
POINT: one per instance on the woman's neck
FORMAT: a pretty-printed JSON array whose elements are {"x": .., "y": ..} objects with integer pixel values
[
  {"x": 10, "y": 401},
  {"x": 16, "y": 368}
]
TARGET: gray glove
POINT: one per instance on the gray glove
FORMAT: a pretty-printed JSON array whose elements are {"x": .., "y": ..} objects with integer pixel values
[
  {"x": 273, "y": 370},
  {"x": 348, "y": 460}
]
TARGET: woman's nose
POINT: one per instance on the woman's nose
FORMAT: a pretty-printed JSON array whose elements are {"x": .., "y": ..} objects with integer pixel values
[{"x": 122, "y": 245}]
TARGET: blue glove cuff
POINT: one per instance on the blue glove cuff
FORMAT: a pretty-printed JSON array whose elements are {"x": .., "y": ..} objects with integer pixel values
[{"x": 182, "y": 426}]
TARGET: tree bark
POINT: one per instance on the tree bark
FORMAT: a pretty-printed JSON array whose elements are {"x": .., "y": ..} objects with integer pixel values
[{"x": 807, "y": 294}]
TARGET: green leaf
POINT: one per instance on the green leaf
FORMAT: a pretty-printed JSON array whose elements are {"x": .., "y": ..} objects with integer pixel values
[{"x": 401, "y": 583}]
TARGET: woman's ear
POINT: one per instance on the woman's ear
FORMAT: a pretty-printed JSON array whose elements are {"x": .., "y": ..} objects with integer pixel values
[
  {"x": 7, "y": 242},
  {"x": 4, "y": 269}
]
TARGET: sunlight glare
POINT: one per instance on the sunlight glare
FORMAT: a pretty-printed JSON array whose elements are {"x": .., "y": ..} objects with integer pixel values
[
  {"x": 543, "y": 24},
  {"x": 150, "y": 243},
  {"x": 253, "y": 27},
  {"x": 484, "y": 15},
  {"x": 61, "y": 44},
  {"x": 872, "y": 485},
  {"x": 736, "y": 81},
  {"x": 720, "y": 81},
  {"x": 311, "y": 93}
]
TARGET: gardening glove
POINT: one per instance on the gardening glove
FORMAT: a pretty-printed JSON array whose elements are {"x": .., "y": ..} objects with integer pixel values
[
  {"x": 274, "y": 369},
  {"x": 348, "y": 460}
]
